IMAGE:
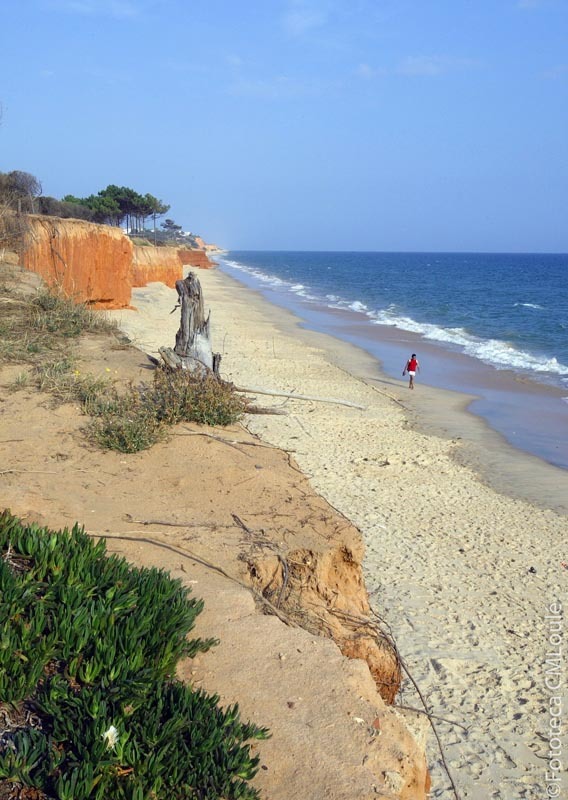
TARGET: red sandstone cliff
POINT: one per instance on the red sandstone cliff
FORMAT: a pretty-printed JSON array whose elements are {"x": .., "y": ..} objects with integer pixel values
[
  {"x": 98, "y": 264},
  {"x": 151, "y": 264},
  {"x": 195, "y": 258},
  {"x": 89, "y": 262}
]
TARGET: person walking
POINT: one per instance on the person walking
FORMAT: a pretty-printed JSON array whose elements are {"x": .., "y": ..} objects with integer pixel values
[{"x": 412, "y": 367}]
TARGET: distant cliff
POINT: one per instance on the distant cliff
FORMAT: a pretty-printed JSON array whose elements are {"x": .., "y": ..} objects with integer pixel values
[
  {"x": 194, "y": 258},
  {"x": 99, "y": 264},
  {"x": 151, "y": 264},
  {"x": 209, "y": 248}
]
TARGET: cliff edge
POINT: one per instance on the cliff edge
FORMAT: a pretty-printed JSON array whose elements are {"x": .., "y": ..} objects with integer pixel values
[{"x": 99, "y": 264}]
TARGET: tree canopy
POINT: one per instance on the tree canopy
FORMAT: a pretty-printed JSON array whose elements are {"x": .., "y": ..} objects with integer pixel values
[
  {"x": 118, "y": 205},
  {"x": 115, "y": 205}
]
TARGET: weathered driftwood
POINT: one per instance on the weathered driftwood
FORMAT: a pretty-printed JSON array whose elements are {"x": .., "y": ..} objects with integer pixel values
[
  {"x": 193, "y": 350},
  {"x": 263, "y": 410}
]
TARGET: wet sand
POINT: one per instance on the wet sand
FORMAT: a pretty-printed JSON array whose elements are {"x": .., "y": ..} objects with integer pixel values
[{"x": 503, "y": 398}]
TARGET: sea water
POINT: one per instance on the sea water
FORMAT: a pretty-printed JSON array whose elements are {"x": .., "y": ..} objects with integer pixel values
[{"x": 506, "y": 312}]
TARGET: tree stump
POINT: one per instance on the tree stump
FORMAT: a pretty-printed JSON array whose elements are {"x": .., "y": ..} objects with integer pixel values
[{"x": 193, "y": 350}]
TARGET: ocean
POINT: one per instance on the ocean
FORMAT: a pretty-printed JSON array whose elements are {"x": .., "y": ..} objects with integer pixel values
[{"x": 503, "y": 318}]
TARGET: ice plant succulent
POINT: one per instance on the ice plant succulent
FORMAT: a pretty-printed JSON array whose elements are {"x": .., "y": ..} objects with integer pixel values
[{"x": 87, "y": 638}]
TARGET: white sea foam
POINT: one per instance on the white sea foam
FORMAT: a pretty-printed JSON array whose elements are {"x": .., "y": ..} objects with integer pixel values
[
  {"x": 357, "y": 306},
  {"x": 498, "y": 353},
  {"x": 301, "y": 291},
  {"x": 264, "y": 277}
]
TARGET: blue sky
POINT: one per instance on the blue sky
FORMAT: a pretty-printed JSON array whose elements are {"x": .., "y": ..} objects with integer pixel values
[{"x": 301, "y": 124}]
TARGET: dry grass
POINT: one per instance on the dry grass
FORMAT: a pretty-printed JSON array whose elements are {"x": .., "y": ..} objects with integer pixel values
[{"x": 35, "y": 325}]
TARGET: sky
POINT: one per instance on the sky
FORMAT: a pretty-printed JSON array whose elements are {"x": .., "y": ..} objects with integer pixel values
[{"x": 391, "y": 125}]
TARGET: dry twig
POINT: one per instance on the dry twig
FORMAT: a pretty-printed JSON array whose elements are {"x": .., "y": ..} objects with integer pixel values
[
  {"x": 291, "y": 396},
  {"x": 207, "y": 564}
]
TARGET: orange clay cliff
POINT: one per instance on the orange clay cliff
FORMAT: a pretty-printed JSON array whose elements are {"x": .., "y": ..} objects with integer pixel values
[{"x": 99, "y": 264}]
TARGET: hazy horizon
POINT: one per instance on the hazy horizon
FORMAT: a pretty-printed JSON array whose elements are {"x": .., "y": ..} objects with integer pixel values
[{"x": 399, "y": 252}]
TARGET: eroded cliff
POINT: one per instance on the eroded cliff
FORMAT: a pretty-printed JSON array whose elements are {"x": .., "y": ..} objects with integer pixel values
[
  {"x": 91, "y": 263},
  {"x": 161, "y": 264},
  {"x": 195, "y": 258},
  {"x": 99, "y": 264}
]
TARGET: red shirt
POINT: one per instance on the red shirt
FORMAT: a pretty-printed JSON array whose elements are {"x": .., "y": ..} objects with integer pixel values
[{"x": 412, "y": 364}]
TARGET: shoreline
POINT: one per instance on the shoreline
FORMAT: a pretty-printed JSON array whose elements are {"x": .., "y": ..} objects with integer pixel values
[
  {"x": 460, "y": 572},
  {"x": 502, "y": 398},
  {"x": 441, "y": 412}
]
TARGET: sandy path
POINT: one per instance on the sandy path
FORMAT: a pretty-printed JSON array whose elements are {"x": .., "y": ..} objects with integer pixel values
[{"x": 463, "y": 574}]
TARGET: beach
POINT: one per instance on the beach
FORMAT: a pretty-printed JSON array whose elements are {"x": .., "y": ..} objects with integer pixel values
[
  {"x": 463, "y": 573},
  {"x": 224, "y": 513}
]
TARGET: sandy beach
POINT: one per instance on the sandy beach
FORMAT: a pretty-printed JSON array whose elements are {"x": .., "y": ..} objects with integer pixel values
[
  {"x": 463, "y": 573},
  {"x": 225, "y": 513}
]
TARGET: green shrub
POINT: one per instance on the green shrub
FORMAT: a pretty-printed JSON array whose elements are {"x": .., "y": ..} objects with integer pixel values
[
  {"x": 127, "y": 423},
  {"x": 138, "y": 419},
  {"x": 57, "y": 376},
  {"x": 178, "y": 396},
  {"x": 88, "y": 655}
]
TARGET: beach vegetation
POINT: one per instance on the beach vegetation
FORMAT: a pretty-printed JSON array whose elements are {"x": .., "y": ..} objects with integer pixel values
[
  {"x": 138, "y": 418},
  {"x": 37, "y": 330},
  {"x": 180, "y": 396},
  {"x": 20, "y": 382},
  {"x": 126, "y": 422},
  {"x": 134, "y": 418},
  {"x": 32, "y": 326},
  {"x": 55, "y": 312},
  {"x": 60, "y": 377},
  {"x": 90, "y": 706}
]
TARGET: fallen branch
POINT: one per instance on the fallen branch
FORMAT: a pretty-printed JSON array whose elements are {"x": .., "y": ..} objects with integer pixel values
[
  {"x": 390, "y": 397},
  {"x": 29, "y": 471},
  {"x": 434, "y": 730},
  {"x": 231, "y": 441},
  {"x": 219, "y": 439},
  {"x": 387, "y": 634},
  {"x": 264, "y": 410},
  {"x": 285, "y": 574},
  {"x": 212, "y": 525},
  {"x": 242, "y": 525},
  {"x": 292, "y": 396},
  {"x": 379, "y": 391},
  {"x": 434, "y": 716}
]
